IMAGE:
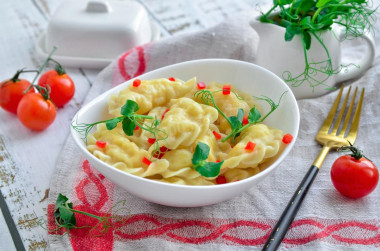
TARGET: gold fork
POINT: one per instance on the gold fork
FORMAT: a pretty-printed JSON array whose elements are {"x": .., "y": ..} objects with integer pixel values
[{"x": 331, "y": 135}]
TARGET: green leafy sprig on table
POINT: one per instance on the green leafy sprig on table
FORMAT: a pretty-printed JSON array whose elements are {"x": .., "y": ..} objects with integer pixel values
[
  {"x": 206, "y": 169},
  {"x": 64, "y": 216},
  {"x": 129, "y": 119},
  {"x": 306, "y": 18},
  {"x": 236, "y": 122}
]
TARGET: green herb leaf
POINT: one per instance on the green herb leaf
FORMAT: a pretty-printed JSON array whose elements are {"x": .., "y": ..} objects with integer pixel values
[
  {"x": 201, "y": 152},
  {"x": 254, "y": 115},
  {"x": 112, "y": 123},
  {"x": 128, "y": 126},
  {"x": 209, "y": 169},
  {"x": 240, "y": 114},
  {"x": 63, "y": 214},
  {"x": 61, "y": 200},
  {"x": 291, "y": 31},
  {"x": 304, "y": 5},
  {"x": 307, "y": 39},
  {"x": 129, "y": 108},
  {"x": 66, "y": 216},
  {"x": 322, "y": 3},
  {"x": 235, "y": 122}
]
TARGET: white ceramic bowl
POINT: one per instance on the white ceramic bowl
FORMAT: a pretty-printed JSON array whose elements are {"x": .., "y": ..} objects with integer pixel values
[{"x": 247, "y": 77}]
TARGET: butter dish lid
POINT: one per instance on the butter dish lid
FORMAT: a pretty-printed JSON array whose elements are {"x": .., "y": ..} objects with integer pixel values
[{"x": 92, "y": 33}]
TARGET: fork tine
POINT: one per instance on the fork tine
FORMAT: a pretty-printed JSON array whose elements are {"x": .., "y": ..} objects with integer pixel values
[
  {"x": 351, "y": 137},
  {"x": 340, "y": 115},
  {"x": 330, "y": 117},
  {"x": 348, "y": 115}
]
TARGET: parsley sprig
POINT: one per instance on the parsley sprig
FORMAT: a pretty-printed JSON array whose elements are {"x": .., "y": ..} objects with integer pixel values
[
  {"x": 206, "y": 169},
  {"x": 306, "y": 18}
]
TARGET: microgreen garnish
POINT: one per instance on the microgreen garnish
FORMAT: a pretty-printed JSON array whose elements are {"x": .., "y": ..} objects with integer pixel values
[
  {"x": 206, "y": 169},
  {"x": 64, "y": 215},
  {"x": 306, "y": 18},
  {"x": 130, "y": 120},
  {"x": 236, "y": 122},
  {"x": 207, "y": 97}
]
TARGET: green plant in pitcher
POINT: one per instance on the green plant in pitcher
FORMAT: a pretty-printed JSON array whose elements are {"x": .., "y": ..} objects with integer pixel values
[{"x": 307, "y": 18}]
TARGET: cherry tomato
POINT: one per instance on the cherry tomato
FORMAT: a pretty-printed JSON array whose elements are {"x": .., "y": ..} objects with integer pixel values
[
  {"x": 354, "y": 178},
  {"x": 35, "y": 112},
  {"x": 11, "y": 92},
  {"x": 62, "y": 87}
]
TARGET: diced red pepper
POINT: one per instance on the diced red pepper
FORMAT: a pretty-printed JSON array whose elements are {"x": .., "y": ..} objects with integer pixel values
[
  {"x": 101, "y": 144},
  {"x": 250, "y": 146},
  {"x": 136, "y": 82},
  {"x": 146, "y": 161},
  {"x": 171, "y": 79},
  {"x": 226, "y": 89},
  {"x": 201, "y": 85},
  {"x": 245, "y": 120},
  {"x": 221, "y": 179},
  {"x": 163, "y": 115},
  {"x": 161, "y": 153},
  {"x": 217, "y": 135},
  {"x": 151, "y": 141},
  {"x": 137, "y": 127},
  {"x": 218, "y": 160},
  {"x": 287, "y": 138}
]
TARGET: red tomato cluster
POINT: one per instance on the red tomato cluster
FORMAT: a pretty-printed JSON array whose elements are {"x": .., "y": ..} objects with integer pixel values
[{"x": 35, "y": 105}]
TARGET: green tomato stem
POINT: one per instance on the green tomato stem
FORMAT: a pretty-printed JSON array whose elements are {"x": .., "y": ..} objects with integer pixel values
[{"x": 41, "y": 68}]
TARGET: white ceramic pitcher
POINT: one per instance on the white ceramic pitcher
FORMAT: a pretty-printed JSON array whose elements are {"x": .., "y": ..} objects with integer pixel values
[{"x": 284, "y": 57}]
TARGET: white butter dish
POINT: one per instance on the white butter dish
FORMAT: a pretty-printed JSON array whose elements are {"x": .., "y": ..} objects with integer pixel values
[{"x": 92, "y": 33}]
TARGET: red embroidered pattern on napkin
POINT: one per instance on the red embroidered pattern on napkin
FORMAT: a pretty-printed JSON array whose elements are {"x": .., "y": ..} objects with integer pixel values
[{"x": 252, "y": 232}]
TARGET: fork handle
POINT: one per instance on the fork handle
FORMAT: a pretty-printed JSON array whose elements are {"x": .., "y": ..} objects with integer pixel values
[{"x": 290, "y": 211}]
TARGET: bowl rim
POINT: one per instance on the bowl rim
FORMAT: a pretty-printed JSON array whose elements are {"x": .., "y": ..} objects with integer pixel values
[{"x": 79, "y": 142}]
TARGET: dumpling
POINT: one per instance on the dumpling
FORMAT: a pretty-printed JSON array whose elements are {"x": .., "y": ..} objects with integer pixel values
[
  {"x": 123, "y": 154},
  {"x": 185, "y": 121},
  {"x": 229, "y": 105},
  {"x": 150, "y": 94},
  {"x": 268, "y": 144}
]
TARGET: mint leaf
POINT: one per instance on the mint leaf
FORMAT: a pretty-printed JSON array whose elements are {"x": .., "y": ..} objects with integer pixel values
[
  {"x": 201, "y": 152},
  {"x": 128, "y": 126},
  {"x": 209, "y": 169},
  {"x": 129, "y": 108}
]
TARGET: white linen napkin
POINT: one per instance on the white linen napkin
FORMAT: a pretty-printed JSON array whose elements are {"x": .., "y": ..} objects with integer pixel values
[{"x": 326, "y": 221}]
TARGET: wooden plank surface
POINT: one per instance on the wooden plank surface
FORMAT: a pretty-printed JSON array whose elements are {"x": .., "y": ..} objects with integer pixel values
[{"x": 27, "y": 159}]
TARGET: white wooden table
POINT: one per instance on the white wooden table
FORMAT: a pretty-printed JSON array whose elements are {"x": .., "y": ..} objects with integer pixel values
[{"x": 27, "y": 159}]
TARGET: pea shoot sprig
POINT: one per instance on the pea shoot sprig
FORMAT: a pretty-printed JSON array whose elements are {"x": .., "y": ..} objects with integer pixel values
[
  {"x": 64, "y": 215},
  {"x": 236, "y": 122},
  {"x": 306, "y": 18},
  {"x": 130, "y": 120},
  {"x": 206, "y": 169}
]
